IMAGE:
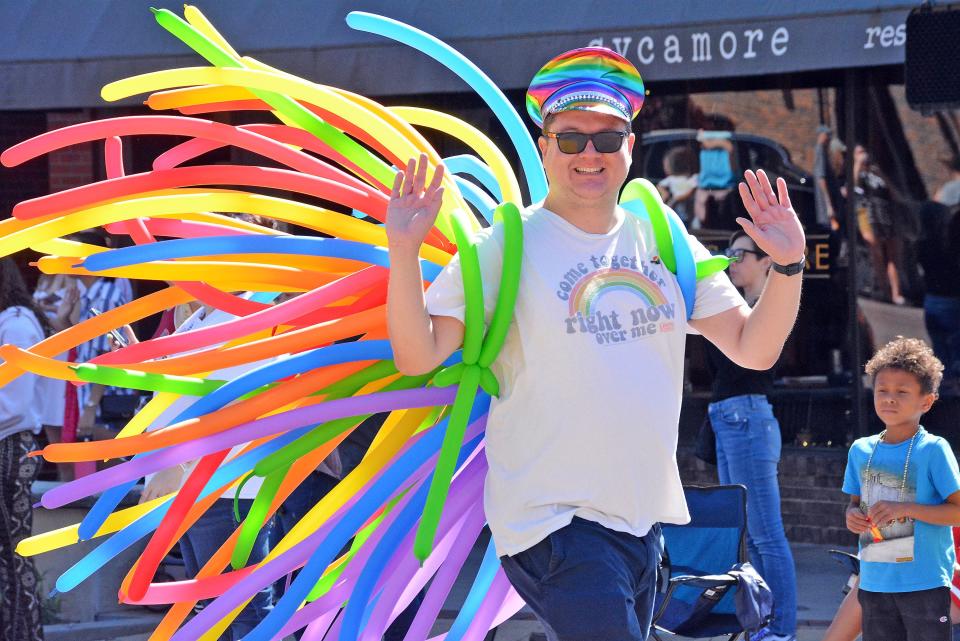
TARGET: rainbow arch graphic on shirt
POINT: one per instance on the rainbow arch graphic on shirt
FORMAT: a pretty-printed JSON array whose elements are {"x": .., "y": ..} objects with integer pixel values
[{"x": 589, "y": 290}]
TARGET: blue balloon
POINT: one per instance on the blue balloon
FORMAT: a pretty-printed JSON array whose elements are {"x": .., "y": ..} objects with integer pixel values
[
  {"x": 219, "y": 245},
  {"x": 478, "y": 592},
  {"x": 477, "y": 197},
  {"x": 686, "y": 265},
  {"x": 473, "y": 76},
  {"x": 358, "y": 609},
  {"x": 476, "y": 168}
]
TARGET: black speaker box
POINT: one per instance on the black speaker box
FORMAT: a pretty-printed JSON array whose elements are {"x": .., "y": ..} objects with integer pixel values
[{"x": 932, "y": 65}]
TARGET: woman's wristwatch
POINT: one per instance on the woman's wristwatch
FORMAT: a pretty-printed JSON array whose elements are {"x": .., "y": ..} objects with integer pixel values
[{"x": 791, "y": 269}]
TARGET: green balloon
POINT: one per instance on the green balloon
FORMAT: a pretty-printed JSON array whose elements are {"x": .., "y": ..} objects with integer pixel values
[
  {"x": 644, "y": 191},
  {"x": 449, "y": 375},
  {"x": 509, "y": 283},
  {"x": 489, "y": 382},
  {"x": 148, "y": 381},
  {"x": 446, "y": 463},
  {"x": 474, "y": 321},
  {"x": 255, "y": 519},
  {"x": 712, "y": 265}
]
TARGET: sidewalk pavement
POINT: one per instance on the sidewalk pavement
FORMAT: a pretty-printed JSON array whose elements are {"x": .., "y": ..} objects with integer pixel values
[{"x": 820, "y": 581}]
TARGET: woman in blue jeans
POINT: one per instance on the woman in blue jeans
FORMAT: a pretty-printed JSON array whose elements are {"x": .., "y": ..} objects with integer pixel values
[{"x": 748, "y": 449}]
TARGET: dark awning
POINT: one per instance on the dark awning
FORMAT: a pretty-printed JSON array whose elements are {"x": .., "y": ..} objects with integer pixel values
[{"x": 58, "y": 53}]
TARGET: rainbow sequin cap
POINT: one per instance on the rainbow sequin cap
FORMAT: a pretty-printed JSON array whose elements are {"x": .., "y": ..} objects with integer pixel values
[{"x": 588, "y": 79}]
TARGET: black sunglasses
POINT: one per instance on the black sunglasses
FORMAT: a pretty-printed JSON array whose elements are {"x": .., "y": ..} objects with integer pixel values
[
  {"x": 573, "y": 142},
  {"x": 737, "y": 253}
]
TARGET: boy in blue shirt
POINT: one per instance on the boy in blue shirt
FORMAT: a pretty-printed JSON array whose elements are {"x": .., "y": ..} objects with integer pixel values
[{"x": 904, "y": 489}]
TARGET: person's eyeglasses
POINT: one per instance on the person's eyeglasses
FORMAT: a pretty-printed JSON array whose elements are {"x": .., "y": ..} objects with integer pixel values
[
  {"x": 736, "y": 253},
  {"x": 573, "y": 142}
]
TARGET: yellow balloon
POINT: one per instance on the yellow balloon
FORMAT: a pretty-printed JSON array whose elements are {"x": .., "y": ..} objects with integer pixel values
[
  {"x": 148, "y": 414},
  {"x": 191, "y": 96},
  {"x": 473, "y": 138},
  {"x": 451, "y": 199},
  {"x": 73, "y": 336},
  {"x": 62, "y": 537},
  {"x": 113, "y": 211},
  {"x": 199, "y": 21},
  {"x": 64, "y": 247}
]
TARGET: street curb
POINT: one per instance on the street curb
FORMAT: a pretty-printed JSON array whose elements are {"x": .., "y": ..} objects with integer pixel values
[{"x": 99, "y": 630}]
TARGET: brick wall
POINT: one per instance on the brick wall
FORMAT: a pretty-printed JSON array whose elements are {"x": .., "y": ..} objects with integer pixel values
[
  {"x": 811, "y": 500},
  {"x": 72, "y": 166}
]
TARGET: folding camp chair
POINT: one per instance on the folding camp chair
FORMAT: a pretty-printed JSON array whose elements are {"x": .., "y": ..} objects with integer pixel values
[
  {"x": 851, "y": 562},
  {"x": 697, "y": 592}
]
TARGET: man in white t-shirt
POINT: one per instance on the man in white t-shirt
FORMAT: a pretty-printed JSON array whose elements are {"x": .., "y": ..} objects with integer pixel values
[{"x": 581, "y": 443}]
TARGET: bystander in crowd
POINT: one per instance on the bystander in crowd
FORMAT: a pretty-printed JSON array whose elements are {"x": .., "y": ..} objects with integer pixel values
[{"x": 23, "y": 324}]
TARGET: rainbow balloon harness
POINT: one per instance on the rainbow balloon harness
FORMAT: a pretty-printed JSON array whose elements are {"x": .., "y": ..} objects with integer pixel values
[{"x": 411, "y": 511}]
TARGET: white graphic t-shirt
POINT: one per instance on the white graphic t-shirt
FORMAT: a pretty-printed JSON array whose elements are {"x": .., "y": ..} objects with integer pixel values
[{"x": 591, "y": 378}]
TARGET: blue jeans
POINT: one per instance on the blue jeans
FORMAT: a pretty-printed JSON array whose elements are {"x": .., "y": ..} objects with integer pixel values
[
  {"x": 748, "y": 450},
  {"x": 586, "y": 582},
  {"x": 202, "y": 541},
  {"x": 941, "y": 314}
]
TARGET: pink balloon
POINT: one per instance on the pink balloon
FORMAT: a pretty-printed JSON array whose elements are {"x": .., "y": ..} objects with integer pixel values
[{"x": 270, "y": 317}]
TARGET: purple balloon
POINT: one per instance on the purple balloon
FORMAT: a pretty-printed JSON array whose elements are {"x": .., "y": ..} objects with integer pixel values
[
  {"x": 406, "y": 577},
  {"x": 317, "y": 629},
  {"x": 243, "y": 433},
  {"x": 445, "y": 578}
]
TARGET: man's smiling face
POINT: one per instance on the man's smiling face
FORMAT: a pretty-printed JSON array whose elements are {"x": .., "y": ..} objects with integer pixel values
[{"x": 589, "y": 176}]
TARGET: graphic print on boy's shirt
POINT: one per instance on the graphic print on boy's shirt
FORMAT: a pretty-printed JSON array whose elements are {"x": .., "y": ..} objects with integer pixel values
[
  {"x": 898, "y": 541},
  {"x": 615, "y": 299}
]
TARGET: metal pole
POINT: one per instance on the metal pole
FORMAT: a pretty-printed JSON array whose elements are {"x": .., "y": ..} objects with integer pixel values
[{"x": 853, "y": 98}]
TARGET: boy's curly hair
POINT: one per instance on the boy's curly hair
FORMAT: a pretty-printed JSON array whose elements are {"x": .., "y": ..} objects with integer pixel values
[{"x": 910, "y": 355}]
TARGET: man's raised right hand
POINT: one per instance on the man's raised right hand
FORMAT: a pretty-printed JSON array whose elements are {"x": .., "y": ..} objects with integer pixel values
[{"x": 413, "y": 208}]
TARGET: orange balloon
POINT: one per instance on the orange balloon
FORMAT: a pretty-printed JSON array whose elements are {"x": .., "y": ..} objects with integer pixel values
[{"x": 99, "y": 325}]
